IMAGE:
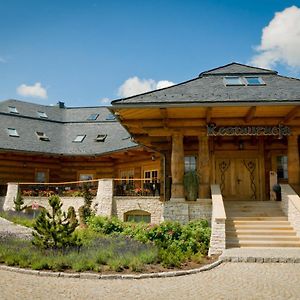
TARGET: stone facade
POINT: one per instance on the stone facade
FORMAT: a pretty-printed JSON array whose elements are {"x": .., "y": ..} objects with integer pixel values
[
  {"x": 151, "y": 205},
  {"x": 1, "y": 203},
  {"x": 11, "y": 194},
  {"x": 104, "y": 198},
  {"x": 291, "y": 206}
]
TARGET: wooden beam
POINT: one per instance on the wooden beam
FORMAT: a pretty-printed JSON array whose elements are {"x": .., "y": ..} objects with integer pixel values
[
  {"x": 292, "y": 114},
  {"x": 250, "y": 114},
  {"x": 208, "y": 114}
]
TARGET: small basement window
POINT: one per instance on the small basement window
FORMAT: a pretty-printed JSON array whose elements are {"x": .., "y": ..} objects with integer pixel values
[
  {"x": 12, "y": 132},
  {"x": 13, "y": 110},
  {"x": 79, "y": 138},
  {"x": 254, "y": 80},
  {"x": 101, "y": 137},
  {"x": 110, "y": 117},
  {"x": 42, "y": 115},
  {"x": 137, "y": 216},
  {"x": 93, "y": 117},
  {"x": 42, "y": 136},
  {"x": 233, "y": 80}
]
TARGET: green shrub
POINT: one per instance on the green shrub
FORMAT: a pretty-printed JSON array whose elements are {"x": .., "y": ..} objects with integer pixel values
[
  {"x": 54, "y": 229},
  {"x": 19, "y": 202}
]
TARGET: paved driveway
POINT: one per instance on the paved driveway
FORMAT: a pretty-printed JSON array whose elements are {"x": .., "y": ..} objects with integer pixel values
[{"x": 227, "y": 281}]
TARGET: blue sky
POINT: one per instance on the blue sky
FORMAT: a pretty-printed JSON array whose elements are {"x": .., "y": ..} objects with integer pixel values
[{"x": 82, "y": 52}]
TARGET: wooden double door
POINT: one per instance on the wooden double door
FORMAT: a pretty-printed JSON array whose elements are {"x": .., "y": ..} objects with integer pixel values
[{"x": 238, "y": 177}]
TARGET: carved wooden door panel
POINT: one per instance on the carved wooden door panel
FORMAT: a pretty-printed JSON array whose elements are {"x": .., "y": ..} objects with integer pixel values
[{"x": 238, "y": 178}]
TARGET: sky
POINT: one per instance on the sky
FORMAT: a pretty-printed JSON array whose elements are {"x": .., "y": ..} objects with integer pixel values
[{"x": 87, "y": 53}]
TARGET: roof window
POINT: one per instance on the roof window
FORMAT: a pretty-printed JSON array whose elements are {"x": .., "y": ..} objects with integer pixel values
[
  {"x": 93, "y": 117},
  {"x": 110, "y": 117},
  {"x": 233, "y": 80},
  {"x": 254, "y": 80},
  {"x": 42, "y": 115},
  {"x": 13, "y": 110},
  {"x": 101, "y": 137},
  {"x": 42, "y": 136},
  {"x": 79, "y": 138},
  {"x": 12, "y": 132}
]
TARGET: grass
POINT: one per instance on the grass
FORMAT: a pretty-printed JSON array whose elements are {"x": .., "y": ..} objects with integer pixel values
[
  {"x": 116, "y": 253},
  {"x": 21, "y": 218}
]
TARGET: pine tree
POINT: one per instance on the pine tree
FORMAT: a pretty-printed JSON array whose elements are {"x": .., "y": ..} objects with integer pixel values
[
  {"x": 85, "y": 210},
  {"x": 55, "y": 229},
  {"x": 19, "y": 202}
]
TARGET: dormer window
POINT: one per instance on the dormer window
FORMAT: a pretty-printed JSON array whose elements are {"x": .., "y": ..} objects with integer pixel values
[
  {"x": 13, "y": 110},
  {"x": 79, "y": 138},
  {"x": 110, "y": 117},
  {"x": 93, "y": 117},
  {"x": 233, "y": 80},
  {"x": 42, "y": 115},
  {"x": 101, "y": 137},
  {"x": 254, "y": 80},
  {"x": 12, "y": 132},
  {"x": 42, "y": 136}
]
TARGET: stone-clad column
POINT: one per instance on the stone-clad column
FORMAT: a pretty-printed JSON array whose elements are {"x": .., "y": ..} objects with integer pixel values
[
  {"x": 177, "y": 166},
  {"x": 203, "y": 167},
  {"x": 293, "y": 160}
]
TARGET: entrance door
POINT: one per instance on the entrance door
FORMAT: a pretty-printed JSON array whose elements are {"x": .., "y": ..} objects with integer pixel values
[{"x": 238, "y": 178}]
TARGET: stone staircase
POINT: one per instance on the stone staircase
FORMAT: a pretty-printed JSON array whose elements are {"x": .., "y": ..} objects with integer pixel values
[{"x": 258, "y": 224}]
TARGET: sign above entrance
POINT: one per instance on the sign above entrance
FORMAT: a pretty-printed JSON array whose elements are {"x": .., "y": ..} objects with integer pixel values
[{"x": 280, "y": 130}]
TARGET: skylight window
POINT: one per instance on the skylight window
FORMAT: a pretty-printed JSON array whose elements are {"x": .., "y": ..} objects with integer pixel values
[
  {"x": 93, "y": 117},
  {"x": 42, "y": 115},
  {"x": 254, "y": 80},
  {"x": 233, "y": 80},
  {"x": 13, "y": 110},
  {"x": 101, "y": 137},
  {"x": 12, "y": 132},
  {"x": 79, "y": 138},
  {"x": 110, "y": 117},
  {"x": 42, "y": 136}
]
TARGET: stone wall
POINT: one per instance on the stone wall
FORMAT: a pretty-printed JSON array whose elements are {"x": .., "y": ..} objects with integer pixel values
[
  {"x": 200, "y": 209},
  {"x": 290, "y": 204},
  {"x": 1, "y": 203},
  {"x": 104, "y": 199},
  {"x": 151, "y": 205}
]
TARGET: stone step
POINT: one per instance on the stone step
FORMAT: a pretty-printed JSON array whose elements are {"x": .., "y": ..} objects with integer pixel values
[
  {"x": 241, "y": 238},
  {"x": 238, "y": 223},
  {"x": 256, "y": 218},
  {"x": 258, "y": 226},
  {"x": 244, "y": 243},
  {"x": 247, "y": 232}
]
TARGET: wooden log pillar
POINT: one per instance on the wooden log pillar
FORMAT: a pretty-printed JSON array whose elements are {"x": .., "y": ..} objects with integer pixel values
[
  {"x": 203, "y": 167},
  {"x": 293, "y": 160},
  {"x": 177, "y": 166}
]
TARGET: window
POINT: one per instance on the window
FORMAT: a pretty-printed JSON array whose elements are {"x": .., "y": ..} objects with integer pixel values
[
  {"x": 151, "y": 176},
  {"x": 83, "y": 177},
  {"x": 126, "y": 175},
  {"x": 93, "y": 117},
  {"x": 137, "y": 216},
  {"x": 13, "y": 110},
  {"x": 41, "y": 175},
  {"x": 42, "y": 115},
  {"x": 12, "y": 132},
  {"x": 233, "y": 80},
  {"x": 79, "y": 138},
  {"x": 101, "y": 137},
  {"x": 42, "y": 136},
  {"x": 254, "y": 80},
  {"x": 282, "y": 167},
  {"x": 110, "y": 117},
  {"x": 190, "y": 163}
]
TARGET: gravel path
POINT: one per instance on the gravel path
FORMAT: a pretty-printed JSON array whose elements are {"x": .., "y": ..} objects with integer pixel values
[
  {"x": 11, "y": 229},
  {"x": 227, "y": 281}
]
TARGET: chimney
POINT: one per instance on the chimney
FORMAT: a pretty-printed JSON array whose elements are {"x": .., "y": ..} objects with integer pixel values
[{"x": 61, "y": 104}]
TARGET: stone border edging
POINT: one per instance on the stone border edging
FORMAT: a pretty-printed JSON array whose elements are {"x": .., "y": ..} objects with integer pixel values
[{"x": 111, "y": 276}]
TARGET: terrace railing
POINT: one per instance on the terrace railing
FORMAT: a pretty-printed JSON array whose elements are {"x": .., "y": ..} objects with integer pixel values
[
  {"x": 63, "y": 189},
  {"x": 136, "y": 187}
]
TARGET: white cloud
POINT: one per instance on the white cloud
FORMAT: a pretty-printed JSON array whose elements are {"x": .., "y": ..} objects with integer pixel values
[
  {"x": 105, "y": 101},
  {"x": 280, "y": 41},
  {"x": 35, "y": 90},
  {"x": 134, "y": 85}
]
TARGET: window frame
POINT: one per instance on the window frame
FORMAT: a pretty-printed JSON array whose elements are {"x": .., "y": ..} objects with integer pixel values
[
  {"x": 13, "y": 110},
  {"x": 42, "y": 136},
  {"x": 99, "y": 139},
  {"x": 10, "y": 133},
  {"x": 242, "y": 83},
  {"x": 93, "y": 117},
  {"x": 79, "y": 141},
  {"x": 42, "y": 114},
  {"x": 261, "y": 82}
]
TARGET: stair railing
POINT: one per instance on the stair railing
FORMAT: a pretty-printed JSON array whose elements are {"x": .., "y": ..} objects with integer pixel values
[
  {"x": 218, "y": 220},
  {"x": 290, "y": 204}
]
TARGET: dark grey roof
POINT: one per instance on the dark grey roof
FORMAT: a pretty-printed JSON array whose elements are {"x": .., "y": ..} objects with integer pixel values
[
  {"x": 62, "y": 126},
  {"x": 209, "y": 88}
]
